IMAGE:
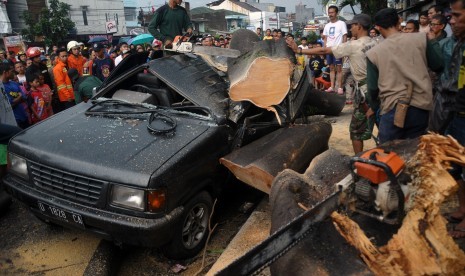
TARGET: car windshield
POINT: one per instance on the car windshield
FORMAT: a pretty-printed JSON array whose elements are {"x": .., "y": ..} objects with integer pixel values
[{"x": 161, "y": 119}]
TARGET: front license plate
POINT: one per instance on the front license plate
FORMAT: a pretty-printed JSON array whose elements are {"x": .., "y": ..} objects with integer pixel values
[{"x": 61, "y": 214}]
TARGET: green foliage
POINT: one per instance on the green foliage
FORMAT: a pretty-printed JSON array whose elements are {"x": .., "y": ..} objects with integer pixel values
[
  {"x": 312, "y": 37},
  {"x": 53, "y": 23}
]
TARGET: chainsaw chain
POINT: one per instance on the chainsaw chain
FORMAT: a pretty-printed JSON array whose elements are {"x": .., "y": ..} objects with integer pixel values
[
  {"x": 282, "y": 253},
  {"x": 289, "y": 247}
]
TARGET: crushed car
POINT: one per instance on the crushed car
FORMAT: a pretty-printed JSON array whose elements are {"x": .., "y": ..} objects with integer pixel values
[{"x": 139, "y": 162}]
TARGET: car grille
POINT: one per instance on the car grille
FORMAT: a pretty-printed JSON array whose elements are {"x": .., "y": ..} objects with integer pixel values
[{"x": 68, "y": 185}]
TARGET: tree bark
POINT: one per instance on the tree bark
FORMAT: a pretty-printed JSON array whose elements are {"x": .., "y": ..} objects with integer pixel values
[
  {"x": 422, "y": 245},
  {"x": 262, "y": 75}
]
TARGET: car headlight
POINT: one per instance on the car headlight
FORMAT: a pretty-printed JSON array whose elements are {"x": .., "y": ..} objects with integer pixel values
[
  {"x": 18, "y": 166},
  {"x": 128, "y": 197}
]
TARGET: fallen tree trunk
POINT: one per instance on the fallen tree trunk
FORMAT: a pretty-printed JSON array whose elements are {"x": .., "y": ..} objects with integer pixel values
[
  {"x": 262, "y": 75},
  {"x": 292, "y": 147},
  {"x": 323, "y": 251},
  {"x": 325, "y": 103}
]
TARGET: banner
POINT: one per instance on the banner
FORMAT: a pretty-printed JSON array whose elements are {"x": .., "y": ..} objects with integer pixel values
[
  {"x": 12, "y": 41},
  {"x": 111, "y": 27}
]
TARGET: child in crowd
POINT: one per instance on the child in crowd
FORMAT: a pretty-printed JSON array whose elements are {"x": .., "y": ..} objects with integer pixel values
[
  {"x": 324, "y": 81},
  {"x": 47, "y": 94},
  {"x": 38, "y": 106}
]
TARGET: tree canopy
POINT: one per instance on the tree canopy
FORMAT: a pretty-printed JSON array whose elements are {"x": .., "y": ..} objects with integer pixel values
[{"x": 53, "y": 23}]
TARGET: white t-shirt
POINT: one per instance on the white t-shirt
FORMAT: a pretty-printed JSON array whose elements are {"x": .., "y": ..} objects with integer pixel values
[
  {"x": 118, "y": 59},
  {"x": 21, "y": 79},
  {"x": 334, "y": 33}
]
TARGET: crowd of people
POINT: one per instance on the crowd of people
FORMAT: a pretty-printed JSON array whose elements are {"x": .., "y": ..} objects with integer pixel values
[
  {"x": 408, "y": 77},
  {"x": 65, "y": 76}
]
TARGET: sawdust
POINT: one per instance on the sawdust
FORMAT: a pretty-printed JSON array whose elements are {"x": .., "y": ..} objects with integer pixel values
[{"x": 29, "y": 246}]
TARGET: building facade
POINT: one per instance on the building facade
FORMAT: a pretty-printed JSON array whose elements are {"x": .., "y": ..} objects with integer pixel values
[
  {"x": 303, "y": 14},
  {"x": 102, "y": 17}
]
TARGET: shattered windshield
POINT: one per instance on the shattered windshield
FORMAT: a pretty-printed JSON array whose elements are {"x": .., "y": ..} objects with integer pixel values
[{"x": 160, "y": 119}]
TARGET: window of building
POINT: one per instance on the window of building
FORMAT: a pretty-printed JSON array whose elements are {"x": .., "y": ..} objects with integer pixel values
[{"x": 84, "y": 15}]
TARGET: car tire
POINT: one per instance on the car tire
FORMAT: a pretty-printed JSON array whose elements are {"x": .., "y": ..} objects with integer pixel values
[{"x": 191, "y": 231}]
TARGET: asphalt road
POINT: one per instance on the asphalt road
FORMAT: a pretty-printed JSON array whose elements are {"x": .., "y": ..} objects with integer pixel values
[{"x": 29, "y": 246}]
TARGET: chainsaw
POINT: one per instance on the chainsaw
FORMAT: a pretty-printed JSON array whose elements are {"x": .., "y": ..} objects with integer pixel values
[
  {"x": 182, "y": 44},
  {"x": 376, "y": 187}
]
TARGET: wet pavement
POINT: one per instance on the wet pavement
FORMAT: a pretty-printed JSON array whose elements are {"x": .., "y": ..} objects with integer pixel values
[{"x": 29, "y": 246}]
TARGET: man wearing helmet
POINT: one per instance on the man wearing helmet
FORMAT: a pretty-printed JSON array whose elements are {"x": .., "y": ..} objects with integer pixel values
[
  {"x": 21, "y": 56},
  {"x": 75, "y": 59},
  {"x": 36, "y": 67}
]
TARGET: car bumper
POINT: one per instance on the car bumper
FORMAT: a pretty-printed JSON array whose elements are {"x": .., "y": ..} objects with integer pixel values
[{"x": 120, "y": 228}]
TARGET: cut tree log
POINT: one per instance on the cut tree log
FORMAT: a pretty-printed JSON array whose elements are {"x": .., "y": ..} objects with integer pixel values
[
  {"x": 262, "y": 75},
  {"x": 291, "y": 147},
  {"x": 323, "y": 251},
  {"x": 422, "y": 245},
  {"x": 326, "y": 103}
]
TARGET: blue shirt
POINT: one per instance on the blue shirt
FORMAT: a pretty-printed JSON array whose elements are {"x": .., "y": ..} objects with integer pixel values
[
  {"x": 101, "y": 68},
  {"x": 12, "y": 90}
]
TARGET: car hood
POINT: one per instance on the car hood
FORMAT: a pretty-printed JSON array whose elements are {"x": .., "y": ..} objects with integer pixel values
[
  {"x": 195, "y": 80},
  {"x": 120, "y": 150}
]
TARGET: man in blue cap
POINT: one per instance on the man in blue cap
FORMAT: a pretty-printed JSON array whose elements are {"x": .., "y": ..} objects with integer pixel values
[{"x": 101, "y": 65}]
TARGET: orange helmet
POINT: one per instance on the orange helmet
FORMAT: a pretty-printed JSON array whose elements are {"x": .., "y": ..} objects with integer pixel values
[{"x": 33, "y": 52}]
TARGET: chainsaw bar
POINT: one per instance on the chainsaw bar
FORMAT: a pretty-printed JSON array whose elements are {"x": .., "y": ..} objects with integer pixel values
[{"x": 281, "y": 241}]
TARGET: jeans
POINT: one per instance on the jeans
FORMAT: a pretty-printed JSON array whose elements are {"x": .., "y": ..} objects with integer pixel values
[
  {"x": 415, "y": 125},
  {"x": 456, "y": 129}
]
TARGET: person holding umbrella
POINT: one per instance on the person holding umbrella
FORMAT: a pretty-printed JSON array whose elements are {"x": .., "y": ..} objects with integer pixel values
[{"x": 169, "y": 21}]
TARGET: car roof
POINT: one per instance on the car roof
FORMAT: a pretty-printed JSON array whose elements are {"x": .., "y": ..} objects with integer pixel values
[{"x": 194, "y": 79}]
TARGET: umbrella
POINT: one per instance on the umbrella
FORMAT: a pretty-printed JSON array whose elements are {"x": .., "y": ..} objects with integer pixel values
[
  {"x": 98, "y": 39},
  {"x": 124, "y": 39},
  {"x": 141, "y": 39}
]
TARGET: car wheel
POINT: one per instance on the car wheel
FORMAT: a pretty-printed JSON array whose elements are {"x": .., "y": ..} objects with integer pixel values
[{"x": 191, "y": 232}]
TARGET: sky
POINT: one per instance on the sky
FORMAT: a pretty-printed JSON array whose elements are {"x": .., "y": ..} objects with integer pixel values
[{"x": 289, "y": 4}]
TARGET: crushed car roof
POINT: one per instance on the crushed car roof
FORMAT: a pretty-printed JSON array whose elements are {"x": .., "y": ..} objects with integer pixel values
[{"x": 193, "y": 78}]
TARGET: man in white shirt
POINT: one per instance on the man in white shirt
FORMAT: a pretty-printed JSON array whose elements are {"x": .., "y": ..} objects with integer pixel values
[
  {"x": 334, "y": 33},
  {"x": 123, "y": 47}
]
